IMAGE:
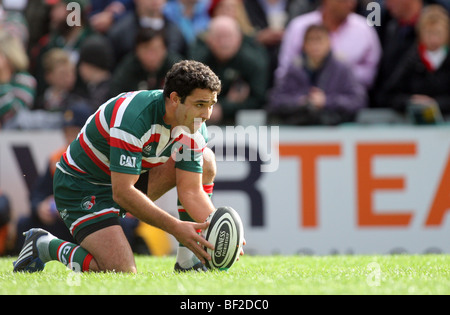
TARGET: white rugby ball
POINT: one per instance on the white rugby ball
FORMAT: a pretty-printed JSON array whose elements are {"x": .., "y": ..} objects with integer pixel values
[{"x": 226, "y": 233}]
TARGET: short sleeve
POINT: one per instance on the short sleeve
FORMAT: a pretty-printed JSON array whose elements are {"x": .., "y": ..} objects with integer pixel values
[
  {"x": 125, "y": 153},
  {"x": 187, "y": 150}
]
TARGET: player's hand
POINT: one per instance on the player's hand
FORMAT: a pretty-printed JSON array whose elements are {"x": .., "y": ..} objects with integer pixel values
[{"x": 187, "y": 235}]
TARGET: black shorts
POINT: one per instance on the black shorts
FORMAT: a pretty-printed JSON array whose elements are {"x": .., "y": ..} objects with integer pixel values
[{"x": 87, "y": 230}]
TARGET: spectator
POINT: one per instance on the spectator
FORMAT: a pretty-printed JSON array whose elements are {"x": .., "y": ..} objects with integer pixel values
[
  {"x": 62, "y": 35},
  {"x": 397, "y": 36},
  {"x": 104, "y": 13},
  {"x": 276, "y": 13},
  {"x": 147, "y": 14},
  {"x": 317, "y": 88},
  {"x": 269, "y": 19},
  {"x": 191, "y": 16},
  {"x": 95, "y": 70},
  {"x": 234, "y": 9},
  {"x": 443, "y": 3},
  {"x": 17, "y": 86},
  {"x": 240, "y": 63},
  {"x": 146, "y": 67},
  {"x": 43, "y": 210},
  {"x": 37, "y": 15},
  {"x": 346, "y": 28},
  {"x": 423, "y": 77},
  {"x": 13, "y": 22},
  {"x": 60, "y": 78}
]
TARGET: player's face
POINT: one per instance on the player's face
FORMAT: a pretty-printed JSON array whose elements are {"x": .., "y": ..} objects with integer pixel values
[{"x": 196, "y": 109}]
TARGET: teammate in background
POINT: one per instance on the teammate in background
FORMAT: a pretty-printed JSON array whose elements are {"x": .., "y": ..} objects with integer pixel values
[{"x": 162, "y": 131}]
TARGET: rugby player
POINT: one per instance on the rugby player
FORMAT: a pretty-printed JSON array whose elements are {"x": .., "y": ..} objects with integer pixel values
[{"x": 159, "y": 131}]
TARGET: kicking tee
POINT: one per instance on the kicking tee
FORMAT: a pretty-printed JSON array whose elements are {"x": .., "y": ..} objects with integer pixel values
[{"x": 127, "y": 134}]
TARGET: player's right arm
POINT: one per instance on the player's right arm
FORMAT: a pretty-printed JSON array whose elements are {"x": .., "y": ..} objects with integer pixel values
[{"x": 140, "y": 206}]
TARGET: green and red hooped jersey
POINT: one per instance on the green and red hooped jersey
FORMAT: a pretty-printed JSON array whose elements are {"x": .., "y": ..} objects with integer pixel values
[{"x": 127, "y": 134}]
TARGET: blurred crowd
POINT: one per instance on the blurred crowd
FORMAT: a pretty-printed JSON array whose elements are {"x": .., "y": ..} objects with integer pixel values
[{"x": 300, "y": 62}]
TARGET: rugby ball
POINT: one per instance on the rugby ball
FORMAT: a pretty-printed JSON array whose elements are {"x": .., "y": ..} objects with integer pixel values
[{"x": 226, "y": 233}]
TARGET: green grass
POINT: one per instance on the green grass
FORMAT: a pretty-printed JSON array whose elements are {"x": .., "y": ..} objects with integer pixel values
[{"x": 252, "y": 275}]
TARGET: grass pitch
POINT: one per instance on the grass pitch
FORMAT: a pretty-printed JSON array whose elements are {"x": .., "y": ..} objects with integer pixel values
[{"x": 252, "y": 275}]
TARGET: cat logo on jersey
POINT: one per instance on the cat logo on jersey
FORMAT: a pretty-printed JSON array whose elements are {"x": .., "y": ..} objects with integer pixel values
[
  {"x": 129, "y": 161},
  {"x": 88, "y": 202}
]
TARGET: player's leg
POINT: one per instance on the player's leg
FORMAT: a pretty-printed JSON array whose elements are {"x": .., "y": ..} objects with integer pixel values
[
  {"x": 106, "y": 249},
  {"x": 186, "y": 260},
  {"x": 162, "y": 178},
  {"x": 40, "y": 246},
  {"x": 92, "y": 218},
  {"x": 110, "y": 250}
]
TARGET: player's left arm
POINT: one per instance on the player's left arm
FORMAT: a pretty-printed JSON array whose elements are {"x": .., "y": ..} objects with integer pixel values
[{"x": 191, "y": 194}]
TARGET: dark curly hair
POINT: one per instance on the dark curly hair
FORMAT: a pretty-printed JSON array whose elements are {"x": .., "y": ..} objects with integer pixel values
[{"x": 188, "y": 75}]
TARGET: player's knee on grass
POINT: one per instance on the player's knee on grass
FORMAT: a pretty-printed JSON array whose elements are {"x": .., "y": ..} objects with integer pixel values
[
  {"x": 110, "y": 250},
  {"x": 209, "y": 166}
]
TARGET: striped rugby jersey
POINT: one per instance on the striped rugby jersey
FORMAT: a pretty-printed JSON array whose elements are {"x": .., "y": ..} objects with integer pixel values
[{"x": 127, "y": 134}]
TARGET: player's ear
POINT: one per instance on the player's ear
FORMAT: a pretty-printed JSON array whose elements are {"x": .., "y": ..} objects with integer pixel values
[{"x": 174, "y": 98}]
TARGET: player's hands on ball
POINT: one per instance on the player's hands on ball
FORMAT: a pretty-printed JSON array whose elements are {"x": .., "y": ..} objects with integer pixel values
[{"x": 188, "y": 236}]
